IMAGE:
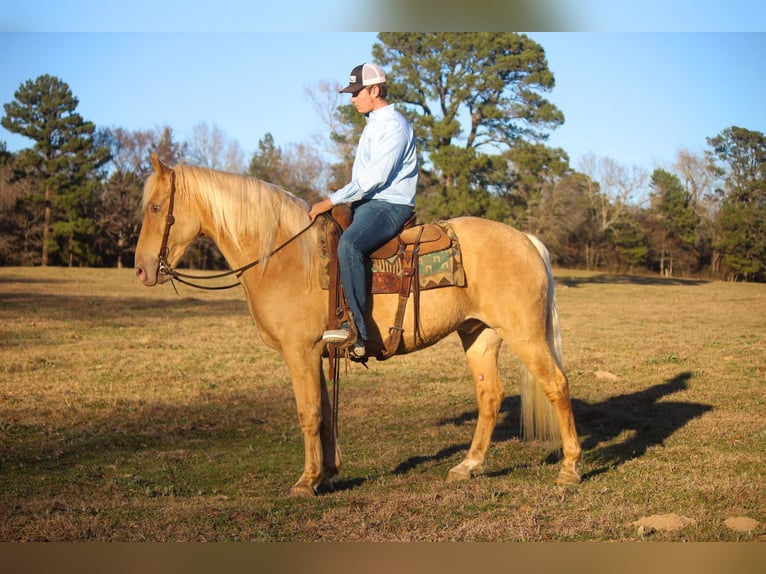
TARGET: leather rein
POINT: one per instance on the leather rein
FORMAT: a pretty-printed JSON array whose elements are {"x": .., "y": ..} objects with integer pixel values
[{"x": 164, "y": 268}]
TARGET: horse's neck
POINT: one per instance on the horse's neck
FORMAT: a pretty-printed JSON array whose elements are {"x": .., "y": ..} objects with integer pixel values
[
  {"x": 244, "y": 250},
  {"x": 285, "y": 262}
]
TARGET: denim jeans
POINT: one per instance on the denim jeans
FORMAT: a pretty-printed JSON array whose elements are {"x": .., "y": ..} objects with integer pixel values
[{"x": 374, "y": 223}]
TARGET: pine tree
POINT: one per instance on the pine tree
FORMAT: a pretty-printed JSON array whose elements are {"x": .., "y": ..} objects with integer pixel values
[
  {"x": 63, "y": 163},
  {"x": 266, "y": 163},
  {"x": 741, "y": 157},
  {"x": 676, "y": 223}
]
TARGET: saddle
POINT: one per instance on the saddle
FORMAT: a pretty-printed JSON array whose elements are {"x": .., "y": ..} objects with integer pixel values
[{"x": 395, "y": 270}]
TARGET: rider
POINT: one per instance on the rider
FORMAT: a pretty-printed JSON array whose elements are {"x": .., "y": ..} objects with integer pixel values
[{"x": 381, "y": 192}]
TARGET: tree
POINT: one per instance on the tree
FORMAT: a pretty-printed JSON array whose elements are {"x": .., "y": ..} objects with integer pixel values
[
  {"x": 697, "y": 176},
  {"x": 740, "y": 156},
  {"x": 13, "y": 218},
  {"x": 612, "y": 193},
  {"x": 266, "y": 163},
  {"x": 675, "y": 224},
  {"x": 344, "y": 125},
  {"x": 119, "y": 200},
  {"x": 495, "y": 77},
  {"x": 534, "y": 170},
  {"x": 345, "y": 133},
  {"x": 305, "y": 172},
  {"x": 468, "y": 95},
  {"x": 63, "y": 162},
  {"x": 567, "y": 223},
  {"x": 210, "y": 147},
  {"x": 472, "y": 176},
  {"x": 299, "y": 170},
  {"x": 167, "y": 148},
  {"x": 628, "y": 242}
]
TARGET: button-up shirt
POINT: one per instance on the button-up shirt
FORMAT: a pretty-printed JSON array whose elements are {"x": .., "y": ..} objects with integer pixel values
[{"x": 386, "y": 164}]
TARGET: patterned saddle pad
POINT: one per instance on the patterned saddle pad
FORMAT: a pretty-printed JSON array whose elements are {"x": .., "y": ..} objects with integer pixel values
[{"x": 443, "y": 268}]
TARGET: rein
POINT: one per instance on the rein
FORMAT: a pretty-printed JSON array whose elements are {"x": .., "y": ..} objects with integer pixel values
[{"x": 164, "y": 268}]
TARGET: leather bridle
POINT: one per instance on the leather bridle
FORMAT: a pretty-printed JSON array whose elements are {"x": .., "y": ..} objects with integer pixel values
[{"x": 163, "y": 267}]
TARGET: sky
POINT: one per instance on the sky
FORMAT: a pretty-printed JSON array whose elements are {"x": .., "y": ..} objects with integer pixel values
[{"x": 634, "y": 90}]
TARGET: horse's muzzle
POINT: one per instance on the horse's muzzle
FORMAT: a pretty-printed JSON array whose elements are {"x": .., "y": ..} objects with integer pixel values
[{"x": 149, "y": 275}]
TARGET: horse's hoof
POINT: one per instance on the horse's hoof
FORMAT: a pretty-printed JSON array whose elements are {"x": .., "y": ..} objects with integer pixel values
[
  {"x": 326, "y": 487},
  {"x": 568, "y": 477},
  {"x": 458, "y": 474},
  {"x": 301, "y": 490}
]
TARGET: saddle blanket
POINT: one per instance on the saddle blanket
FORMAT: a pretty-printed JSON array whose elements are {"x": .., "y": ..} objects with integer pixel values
[{"x": 438, "y": 269}]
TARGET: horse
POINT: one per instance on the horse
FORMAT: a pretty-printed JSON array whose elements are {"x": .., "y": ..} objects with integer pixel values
[{"x": 508, "y": 297}]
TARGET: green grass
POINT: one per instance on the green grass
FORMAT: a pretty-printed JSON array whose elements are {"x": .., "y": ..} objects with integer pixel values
[{"x": 129, "y": 414}]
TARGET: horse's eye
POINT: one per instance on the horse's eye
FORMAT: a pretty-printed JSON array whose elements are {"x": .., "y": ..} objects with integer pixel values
[{"x": 154, "y": 208}]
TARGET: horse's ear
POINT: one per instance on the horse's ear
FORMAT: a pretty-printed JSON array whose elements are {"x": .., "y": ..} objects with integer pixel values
[{"x": 160, "y": 168}]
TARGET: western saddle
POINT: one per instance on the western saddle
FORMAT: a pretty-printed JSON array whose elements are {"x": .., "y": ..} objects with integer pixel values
[{"x": 413, "y": 240}]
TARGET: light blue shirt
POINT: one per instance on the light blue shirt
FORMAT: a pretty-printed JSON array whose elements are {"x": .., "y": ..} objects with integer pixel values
[{"x": 386, "y": 163}]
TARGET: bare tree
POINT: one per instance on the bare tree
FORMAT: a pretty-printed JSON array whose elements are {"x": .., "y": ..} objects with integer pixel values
[
  {"x": 343, "y": 124},
  {"x": 699, "y": 177},
  {"x": 119, "y": 200},
  {"x": 211, "y": 147},
  {"x": 614, "y": 193},
  {"x": 21, "y": 217},
  {"x": 130, "y": 149},
  {"x": 618, "y": 188},
  {"x": 304, "y": 172},
  {"x": 696, "y": 174}
]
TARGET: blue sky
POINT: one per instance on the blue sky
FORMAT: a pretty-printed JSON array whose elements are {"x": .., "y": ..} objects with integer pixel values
[
  {"x": 245, "y": 84},
  {"x": 636, "y": 97},
  {"x": 390, "y": 15}
]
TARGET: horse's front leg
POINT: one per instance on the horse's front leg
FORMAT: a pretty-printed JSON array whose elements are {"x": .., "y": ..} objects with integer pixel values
[
  {"x": 331, "y": 458},
  {"x": 315, "y": 418}
]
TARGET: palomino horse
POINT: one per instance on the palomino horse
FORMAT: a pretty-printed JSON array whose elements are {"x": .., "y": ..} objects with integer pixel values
[{"x": 508, "y": 297}]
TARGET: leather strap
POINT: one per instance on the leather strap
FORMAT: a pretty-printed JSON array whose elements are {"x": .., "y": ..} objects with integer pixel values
[{"x": 410, "y": 264}]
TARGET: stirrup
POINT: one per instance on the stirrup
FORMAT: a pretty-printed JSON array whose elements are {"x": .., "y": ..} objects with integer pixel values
[
  {"x": 343, "y": 338},
  {"x": 336, "y": 336}
]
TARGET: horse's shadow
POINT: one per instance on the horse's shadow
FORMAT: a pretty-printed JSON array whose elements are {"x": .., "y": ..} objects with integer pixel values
[
  {"x": 600, "y": 426},
  {"x": 651, "y": 419}
]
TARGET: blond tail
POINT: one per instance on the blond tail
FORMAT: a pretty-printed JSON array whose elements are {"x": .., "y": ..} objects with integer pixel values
[{"x": 538, "y": 417}]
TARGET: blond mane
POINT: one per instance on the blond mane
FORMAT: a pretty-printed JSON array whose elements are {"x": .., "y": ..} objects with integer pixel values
[{"x": 243, "y": 208}]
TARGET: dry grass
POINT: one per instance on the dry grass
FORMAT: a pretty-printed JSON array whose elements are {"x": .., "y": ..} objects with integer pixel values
[{"x": 134, "y": 414}]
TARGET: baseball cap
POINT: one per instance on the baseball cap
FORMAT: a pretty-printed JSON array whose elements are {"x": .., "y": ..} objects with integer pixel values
[{"x": 364, "y": 75}]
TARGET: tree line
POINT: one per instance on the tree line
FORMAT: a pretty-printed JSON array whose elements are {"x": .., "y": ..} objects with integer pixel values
[{"x": 478, "y": 104}]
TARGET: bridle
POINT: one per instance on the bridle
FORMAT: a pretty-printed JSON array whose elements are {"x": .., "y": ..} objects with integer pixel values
[{"x": 164, "y": 267}]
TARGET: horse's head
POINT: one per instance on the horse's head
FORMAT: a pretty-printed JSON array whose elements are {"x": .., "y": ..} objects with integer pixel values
[{"x": 168, "y": 226}]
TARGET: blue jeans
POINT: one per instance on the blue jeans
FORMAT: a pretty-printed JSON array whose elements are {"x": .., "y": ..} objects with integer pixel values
[{"x": 374, "y": 223}]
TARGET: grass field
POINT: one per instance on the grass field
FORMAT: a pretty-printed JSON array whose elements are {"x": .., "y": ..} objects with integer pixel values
[{"x": 130, "y": 414}]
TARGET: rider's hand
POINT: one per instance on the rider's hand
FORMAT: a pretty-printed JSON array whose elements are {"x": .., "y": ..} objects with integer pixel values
[{"x": 320, "y": 207}]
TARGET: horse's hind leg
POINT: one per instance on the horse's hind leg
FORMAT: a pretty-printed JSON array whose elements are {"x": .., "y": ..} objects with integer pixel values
[
  {"x": 482, "y": 348},
  {"x": 538, "y": 359}
]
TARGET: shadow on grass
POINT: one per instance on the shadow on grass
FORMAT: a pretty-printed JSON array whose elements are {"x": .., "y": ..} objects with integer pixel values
[
  {"x": 33, "y": 280},
  {"x": 96, "y": 308},
  {"x": 603, "y": 279},
  {"x": 651, "y": 419},
  {"x": 644, "y": 412},
  {"x": 139, "y": 431}
]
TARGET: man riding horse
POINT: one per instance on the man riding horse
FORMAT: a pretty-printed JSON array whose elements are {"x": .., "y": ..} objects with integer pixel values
[{"x": 381, "y": 193}]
